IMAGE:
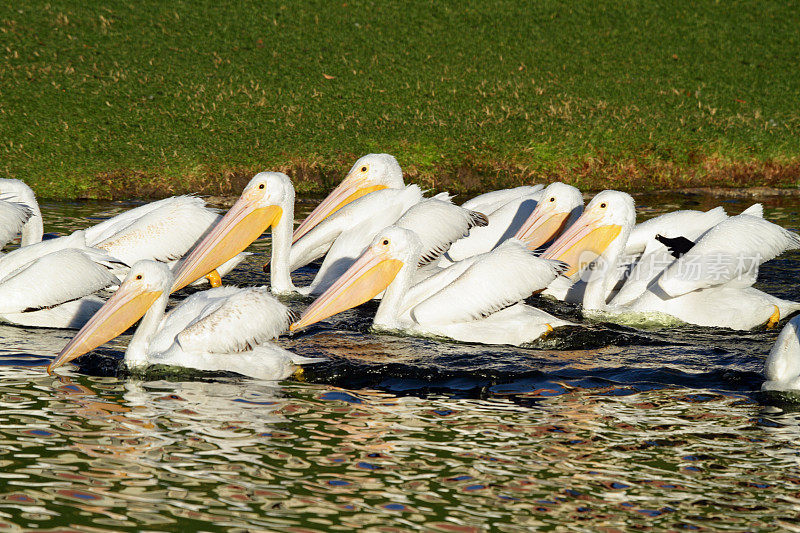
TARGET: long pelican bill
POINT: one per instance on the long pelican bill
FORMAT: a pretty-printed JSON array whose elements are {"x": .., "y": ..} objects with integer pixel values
[
  {"x": 350, "y": 189},
  {"x": 541, "y": 227},
  {"x": 364, "y": 280},
  {"x": 120, "y": 312},
  {"x": 242, "y": 225},
  {"x": 582, "y": 243}
]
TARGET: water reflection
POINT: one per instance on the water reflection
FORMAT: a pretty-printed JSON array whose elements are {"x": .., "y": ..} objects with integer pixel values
[{"x": 215, "y": 455}]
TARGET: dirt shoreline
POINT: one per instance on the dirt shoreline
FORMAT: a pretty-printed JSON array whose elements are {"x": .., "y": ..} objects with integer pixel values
[
  {"x": 752, "y": 193},
  {"x": 707, "y": 176}
]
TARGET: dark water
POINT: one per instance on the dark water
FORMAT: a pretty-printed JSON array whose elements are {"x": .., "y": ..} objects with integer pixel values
[{"x": 601, "y": 427}]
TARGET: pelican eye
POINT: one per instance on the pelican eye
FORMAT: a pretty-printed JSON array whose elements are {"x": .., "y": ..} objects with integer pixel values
[
  {"x": 603, "y": 205},
  {"x": 552, "y": 199},
  {"x": 261, "y": 186},
  {"x": 363, "y": 169},
  {"x": 386, "y": 242},
  {"x": 138, "y": 276}
]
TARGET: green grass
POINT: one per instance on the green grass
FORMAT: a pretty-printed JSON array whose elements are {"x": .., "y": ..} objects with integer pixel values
[{"x": 151, "y": 97}]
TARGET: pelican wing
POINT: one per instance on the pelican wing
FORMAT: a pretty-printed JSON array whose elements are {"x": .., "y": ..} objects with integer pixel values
[
  {"x": 508, "y": 274},
  {"x": 489, "y": 202},
  {"x": 230, "y": 320},
  {"x": 439, "y": 223},
  {"x": 502, "y": 223},
  {"x": 55, "y": 278},
  {"x": 12, "y": 217},
  {"x": 685, "y": 223},
  {"x": 24, "y": 255},
  {"x": 107, "y": 228},
  {"x": 163, "y": 233},
  {"x": 729, "y": 253}
]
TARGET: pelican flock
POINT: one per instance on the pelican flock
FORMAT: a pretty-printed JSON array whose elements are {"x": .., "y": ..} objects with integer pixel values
[{"x": 470, "y": 273}]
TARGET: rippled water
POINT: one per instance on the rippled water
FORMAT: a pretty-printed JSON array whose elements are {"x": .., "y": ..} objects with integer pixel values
[{"x": 601, "y": 427}]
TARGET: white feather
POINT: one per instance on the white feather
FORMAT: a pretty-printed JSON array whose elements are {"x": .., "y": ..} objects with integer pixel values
[
  {"x": 163, "y": 233},
  {"x": 685, "y": 223},
  {"x": 728, "y": 254},
  {"x": 234, "y": 321},
  {"x": 495, "y": 280},
  {"x": 488, "y": 202},
  {"x": 438, "y": 223},
  {"x": 502, "y": 223},
  {"x": 357, "y": 222},
  {"x": 12, "y": 218},
  {"x": 56, "y": 278}
]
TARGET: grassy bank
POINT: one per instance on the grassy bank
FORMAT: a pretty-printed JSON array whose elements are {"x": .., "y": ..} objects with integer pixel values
[{"x": 148, "y": 98}]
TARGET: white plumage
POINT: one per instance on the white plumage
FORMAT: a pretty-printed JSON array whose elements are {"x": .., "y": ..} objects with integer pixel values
[
  {"x": 17, "y": 191},
  {"x": 710, "y": 285},
  {"x": 41, "y": 275},
  {"x": 162, "y": 232},
  {"x": 782, "y": 367},
  {"x": 488, "y": 203},
  {"x": 683, "y": 223},
  {"x": 49, "y": 281},
  {"x": 473, "y": 301},
  {"x": 13, "y": 217},
  {"x": 505, "y": 214},
  {"x": 439, "y": 223},
  {"x": 343, "y": 236},
  {"x": 491, "y": 282},
  {"x": 729, "y": 254},
  {"x": 222, "y": 329}
]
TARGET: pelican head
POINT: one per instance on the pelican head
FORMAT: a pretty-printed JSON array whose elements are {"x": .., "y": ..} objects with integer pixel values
[
  {"x": 263, "y": 202},
  {"x": 559, "y": 206},
  {"x": 145, "y": 283},
  {"x": 372, "y": 172},
  {"x": 602, "y": 222},
  {"x": 375, "y": 270}
]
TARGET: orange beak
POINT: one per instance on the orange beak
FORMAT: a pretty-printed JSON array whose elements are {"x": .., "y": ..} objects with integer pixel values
[
  {"x": 351, "y": 188},
  {"x": 364, "y": 280},
  {"x": 242, "y": 225},
  {"x": 541, "y": 226},
  {"x": 127, "y": 305},
  {"x": 583, "y": 242}
]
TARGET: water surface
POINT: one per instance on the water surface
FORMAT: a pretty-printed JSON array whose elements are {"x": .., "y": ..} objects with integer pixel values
[{"x": 601, "y": 427}]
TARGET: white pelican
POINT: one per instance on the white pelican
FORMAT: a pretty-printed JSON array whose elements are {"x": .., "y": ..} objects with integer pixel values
[
  {"x": 268, "y": 200},
  {"x": 163, "y": 230},
  {"x": 372, "y": 172},
  {"x": 17, "y": 191},
  {"x": 475, "y": 300},
  {"x": 13, "y": 217},
  {"x": 782, "y": 367},
  {"x": 559, "y": 207},
  {"x": 710, "y": 285},
  {"x": 221, "y": 329}
]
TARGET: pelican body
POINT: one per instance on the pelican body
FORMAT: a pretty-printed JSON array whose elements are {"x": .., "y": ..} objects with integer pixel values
[
  {"x": 710, "y": 285},
  {"x": 221, "y": 329},
  {"x": 475, "y": 300}
]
